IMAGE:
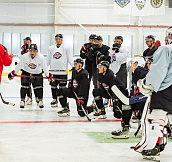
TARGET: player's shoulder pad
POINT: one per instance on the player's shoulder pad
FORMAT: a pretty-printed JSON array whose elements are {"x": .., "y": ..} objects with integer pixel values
[
  {"x": 51, "y": 47},
  {"x": 84, "y": 72},
  {"x": 106, "y": 47}
]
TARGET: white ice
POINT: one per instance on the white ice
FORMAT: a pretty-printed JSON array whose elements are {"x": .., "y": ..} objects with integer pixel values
[{"x": 57, "y": 142}]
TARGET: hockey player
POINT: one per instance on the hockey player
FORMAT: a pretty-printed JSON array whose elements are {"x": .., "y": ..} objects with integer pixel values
[
  {"x": 26, "y": 45},
  {"x": 102, "y": 53},
  {"x": 106, "y": 80},
  {"x": 78, "y": 89},
  {"x": 87, "y": 53},
  {"x": 158, "y": 87},
  {"x": 31, "y": 65},
  {"x": 119, "y": 56},
  {"x": 150, "y": 41},
  {"x": 5, "y": 58},
  {"x": 58, "y": 58}
]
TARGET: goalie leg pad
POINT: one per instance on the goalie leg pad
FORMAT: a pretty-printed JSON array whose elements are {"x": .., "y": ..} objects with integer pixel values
[{"x": 152, "y": 129}]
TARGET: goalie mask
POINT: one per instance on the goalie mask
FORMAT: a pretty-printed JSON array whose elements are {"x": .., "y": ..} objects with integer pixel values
[
  {"x": 140, "y": 61},
  {"x": 169, "y": 34}
]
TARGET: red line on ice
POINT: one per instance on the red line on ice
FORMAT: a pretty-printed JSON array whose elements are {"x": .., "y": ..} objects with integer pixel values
[{"x": 65, "y": 121}]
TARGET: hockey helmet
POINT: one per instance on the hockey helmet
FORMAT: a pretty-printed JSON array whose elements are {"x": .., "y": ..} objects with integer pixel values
[
  {"x": 27, "y": 39},
  {"x": 169, "y": 34},
  {"x": 150, "y": 37},
  {"x": 92, "y": 36},
  {"x": 139, "y": 60},
  {"x": 33, "y": 47},
  {"x": 98, "y": 38},
  {"x": 105, "y": 64},
  {"x": 58, "y": 36},
  {"x": 79, "y": 60},
  {"x": 119, "y": 37}
]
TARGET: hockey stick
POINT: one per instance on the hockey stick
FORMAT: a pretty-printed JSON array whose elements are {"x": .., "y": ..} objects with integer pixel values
[
  {"x": 82, "y": 107},
  {"x": 5, "y": 102},
  {"x": 25, "y": 76},
  {"x": 60, "y": 70},
  {"x": 126, "y": 100}
]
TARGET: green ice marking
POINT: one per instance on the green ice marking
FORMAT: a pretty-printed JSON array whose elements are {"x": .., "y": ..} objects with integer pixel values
[{"x": 106, "y": 137}]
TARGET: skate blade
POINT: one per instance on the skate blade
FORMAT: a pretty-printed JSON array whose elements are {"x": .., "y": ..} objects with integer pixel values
[
  {"x": 120, "y": 137},
  {"x": 54, "y": 106},
  {"x": 64, "y": 115},
  {"x": 152, "y": 158},
  {"x": 100, "y": 117}
]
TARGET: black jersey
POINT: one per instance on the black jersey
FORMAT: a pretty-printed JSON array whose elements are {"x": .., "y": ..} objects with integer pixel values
[
  {"x": 102, "y": 54},
  {"x": 108, "y": 80},
  {"x": 149, "y": 52},
  {"x": 80, "y": 82}
]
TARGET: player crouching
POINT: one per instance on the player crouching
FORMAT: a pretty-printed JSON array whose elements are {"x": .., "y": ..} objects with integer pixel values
[
  {"x": 78, "y": 89},
  {"x": 31, "y": 65},
  {"x": 106, "y": 81}
]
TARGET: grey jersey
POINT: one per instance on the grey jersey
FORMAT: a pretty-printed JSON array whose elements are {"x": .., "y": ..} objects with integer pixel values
[{"x": 160, "y": 73}]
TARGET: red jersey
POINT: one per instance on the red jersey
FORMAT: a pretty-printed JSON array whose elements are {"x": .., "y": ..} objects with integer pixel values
[{"x": 5, "y": 59}]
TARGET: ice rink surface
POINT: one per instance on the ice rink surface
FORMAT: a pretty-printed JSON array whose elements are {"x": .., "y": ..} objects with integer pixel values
[{"x": 32, "y": 135}]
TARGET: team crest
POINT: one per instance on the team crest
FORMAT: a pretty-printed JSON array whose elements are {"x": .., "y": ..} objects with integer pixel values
[
  {"x": 32, "y": 66},
  {"x": 75, "y": 84},
  {"x": 156, "y": 3},
  {"x": 140, "y": 4},
  {"x": 57, "y": 55},
  {"x": 122, "y": 3}
]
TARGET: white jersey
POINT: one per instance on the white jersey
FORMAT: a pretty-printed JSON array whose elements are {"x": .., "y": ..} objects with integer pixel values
[
  {"x": 121, "y": 57},
  {"x": 32, "y": 65},
  {"x": 58, "y": 59}
]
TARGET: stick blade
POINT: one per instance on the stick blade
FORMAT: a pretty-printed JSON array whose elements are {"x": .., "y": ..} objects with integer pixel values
[{"x": 11, "y": 104}]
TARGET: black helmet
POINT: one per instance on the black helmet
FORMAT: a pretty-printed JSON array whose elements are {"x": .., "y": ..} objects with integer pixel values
[
  {"x": 58, "y": 36},
  {"x": 79, "y": 60},
  {"x": 150, "y": 37},
  {"x": 119, "y": 37},
  {"x": 27, "y": 39},
  {"x": 104, "y": 63},
  {"x": 98, "y": 38},
  {"x": 92, "y": 36},
  {"x": 33, "y": 47}
]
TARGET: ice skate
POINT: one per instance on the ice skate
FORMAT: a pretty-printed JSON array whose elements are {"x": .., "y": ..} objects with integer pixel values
[
  {"x": 153, "y": 154},
  {"x": 64, "y": 112},
  {"x": 40, "y": 104},
  {"x": 22, "y": 104},
  {"x": 54, "y": 103},
  {"x": 100, "y": 114},
  {"x": 29, "y": 101},
  {"x": 121, "y": 133}
]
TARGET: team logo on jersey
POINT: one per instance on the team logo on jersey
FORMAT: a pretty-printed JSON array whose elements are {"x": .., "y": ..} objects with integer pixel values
[
  {"x": 105, "y": 86},
  {"x": 122, "y": 3},
  {"x": 57, "y": 55},
  {"x": 32, "y": 66},
  {"x": 156, "y": 3},
  {"x": 75, "y": 84},
  {"x": 140, "y": 4},
  {"x": 113, "y": 57}
]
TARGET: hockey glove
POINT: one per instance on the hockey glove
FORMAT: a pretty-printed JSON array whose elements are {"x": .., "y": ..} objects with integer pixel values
[
  {"x": 69, "y": 85},
  {"x": 145, "y": 89},
  {"x": 80, "y": 101},
  {"x": 11, "y": 75},
  {"x": 50, "y": 78}
]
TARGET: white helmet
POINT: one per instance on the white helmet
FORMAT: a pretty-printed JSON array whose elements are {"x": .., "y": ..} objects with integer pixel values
[
  {"x": 139, "y": 60},
  {"x": 169, "y": 34}
]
